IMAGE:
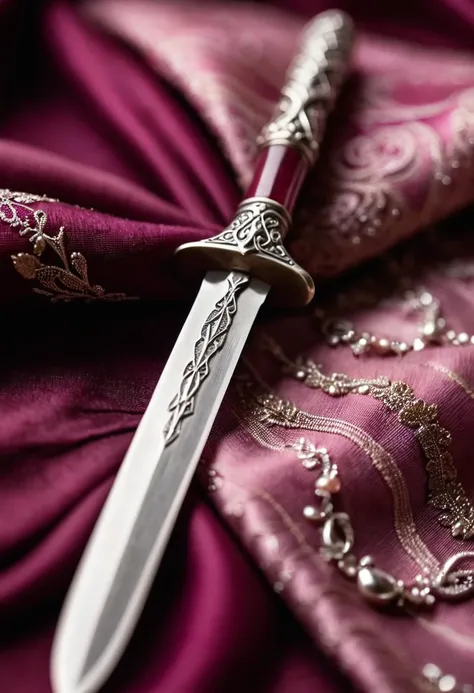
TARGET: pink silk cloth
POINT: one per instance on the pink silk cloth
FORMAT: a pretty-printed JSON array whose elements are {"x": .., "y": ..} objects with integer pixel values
[{"x": 127, "y": 128}]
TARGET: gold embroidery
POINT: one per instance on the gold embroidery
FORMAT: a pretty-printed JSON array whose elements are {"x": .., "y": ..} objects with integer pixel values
[
  {"x": 64, "y": 282},
  {"x": 445, "y": 492},
  {"x": 447, "y": 581},
  {"x": 261, "y": 411},
  {"x": 282, "y": 568}
]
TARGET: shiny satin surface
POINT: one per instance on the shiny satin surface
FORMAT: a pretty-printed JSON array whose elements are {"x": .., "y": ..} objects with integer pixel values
[{"x": 141, "y": 157}]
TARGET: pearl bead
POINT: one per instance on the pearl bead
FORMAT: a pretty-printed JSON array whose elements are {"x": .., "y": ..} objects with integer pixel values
[
  {"x": 329, "y": 484},
  {"x": 426, "y": 299},
  {"x": 311, "y": 513},
  {"x": 382, "y": 346},
  {"x": 429, "y": 329},
  {"x": 418, "y": 344},
  {"x": 447, "y": 683},
  {"x": 432, "y": 672},
  {"x": 309, "y": 462}
]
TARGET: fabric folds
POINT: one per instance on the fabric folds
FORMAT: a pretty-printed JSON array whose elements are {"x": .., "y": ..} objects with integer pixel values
[{"x": 128, "y": 128}]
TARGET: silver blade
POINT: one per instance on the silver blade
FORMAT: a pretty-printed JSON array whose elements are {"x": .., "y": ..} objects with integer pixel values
[{"x": 128, "y": 542}]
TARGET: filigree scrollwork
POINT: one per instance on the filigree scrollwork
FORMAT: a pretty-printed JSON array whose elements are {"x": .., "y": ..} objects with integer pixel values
[
  {"x": 211, "y": 339},
  {"x": 314, "y": 79},
  {"x": 453, "y": 579},
  {"x": 445, "y": 491},
  {"x": 258, "y": 227},
  {"x": 253, "y": 243},
  {"x": 452, "y": 582}
]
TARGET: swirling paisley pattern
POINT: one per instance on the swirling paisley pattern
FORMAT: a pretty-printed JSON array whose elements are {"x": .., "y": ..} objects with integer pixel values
[{"x": 400, "y": 146}]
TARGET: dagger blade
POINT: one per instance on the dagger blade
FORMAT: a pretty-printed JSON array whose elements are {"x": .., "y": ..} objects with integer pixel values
[
  {"x": 122, "y": 557},
  {"x": 118, "y": 567}
]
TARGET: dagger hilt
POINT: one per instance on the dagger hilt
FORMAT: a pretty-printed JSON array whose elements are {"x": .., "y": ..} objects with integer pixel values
[{"x": 289, "y": 146}]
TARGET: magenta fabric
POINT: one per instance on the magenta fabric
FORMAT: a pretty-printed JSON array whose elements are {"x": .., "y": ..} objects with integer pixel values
[
  {"x": 387, "y": 165},
  {"x": 136, "y": 121},
  {"x": 212, "y": 623}
]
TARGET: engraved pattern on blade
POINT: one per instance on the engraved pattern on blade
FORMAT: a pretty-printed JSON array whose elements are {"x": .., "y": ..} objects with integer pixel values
[
  {"x": 213, "y": 335},
  {"x": 314, "y": 79},
  {"x": 257, "y": 228}
]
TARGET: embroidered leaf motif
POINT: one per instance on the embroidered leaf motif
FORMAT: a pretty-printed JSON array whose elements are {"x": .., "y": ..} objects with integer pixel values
[
  {"x": 79, "y": 263},
  {"x": 417, "y": 413},
  {"x": 58, "y": 279},
  {"x": 26, "y": 265},
  {"x": 66, "y": 281}
]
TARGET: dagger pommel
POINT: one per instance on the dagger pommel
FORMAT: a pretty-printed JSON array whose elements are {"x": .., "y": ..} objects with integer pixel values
[{"x": 288, "y": 149}]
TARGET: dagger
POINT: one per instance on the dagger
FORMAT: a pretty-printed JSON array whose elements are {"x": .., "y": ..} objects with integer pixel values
[{"x": 243, "y": 263}]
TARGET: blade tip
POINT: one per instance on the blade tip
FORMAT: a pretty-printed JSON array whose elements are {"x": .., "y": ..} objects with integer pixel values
[
  {"x": 62, "y": 680},
  {"x": 62, "y": 683}
]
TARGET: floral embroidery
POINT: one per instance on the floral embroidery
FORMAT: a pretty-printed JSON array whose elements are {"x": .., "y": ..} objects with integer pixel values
[
  {"x": 446, "y": 493},
  {"x": 367, "y": 196},
  {"x": 401, "y": 153},
  {"x": 65, "y": 281}
]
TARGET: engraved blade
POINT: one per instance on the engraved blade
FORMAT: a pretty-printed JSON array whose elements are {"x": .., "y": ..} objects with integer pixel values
[{"x": 120, "y": 562}]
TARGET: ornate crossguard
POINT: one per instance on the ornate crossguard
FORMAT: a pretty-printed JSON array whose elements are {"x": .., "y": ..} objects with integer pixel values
[{"x": 289, "y": 146}]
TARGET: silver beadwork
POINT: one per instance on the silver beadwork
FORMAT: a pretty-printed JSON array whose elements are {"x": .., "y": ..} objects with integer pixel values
[{"x": 376, "y": 585}]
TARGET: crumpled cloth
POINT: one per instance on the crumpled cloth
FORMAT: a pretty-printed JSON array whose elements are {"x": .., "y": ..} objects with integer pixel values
[{"x": 127, "y": 129}]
